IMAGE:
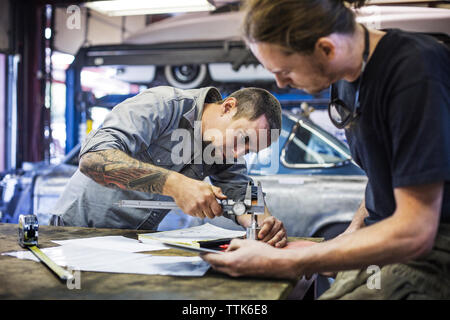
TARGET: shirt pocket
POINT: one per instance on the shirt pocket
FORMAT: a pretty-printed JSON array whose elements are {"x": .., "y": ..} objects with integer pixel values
[{"x": 160, "y": 155}]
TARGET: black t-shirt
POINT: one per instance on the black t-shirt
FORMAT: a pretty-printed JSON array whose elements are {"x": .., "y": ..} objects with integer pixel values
[{"x": 402, "y": 136}]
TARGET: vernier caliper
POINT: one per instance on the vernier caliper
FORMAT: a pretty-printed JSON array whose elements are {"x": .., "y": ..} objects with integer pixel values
[{"x": 250, "y": 205}]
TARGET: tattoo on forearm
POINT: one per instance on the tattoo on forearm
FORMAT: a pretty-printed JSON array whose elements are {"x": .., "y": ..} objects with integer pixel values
[
  {"x": 154, "y": 181},
  {"x": 116, "y": 169}
]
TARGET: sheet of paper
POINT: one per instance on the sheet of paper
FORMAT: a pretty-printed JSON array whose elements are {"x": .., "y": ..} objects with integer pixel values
[
  {"x": 118, "y": 243},
  {"x": 105, "y": 260},
  {"x": 203, "y": 232}
]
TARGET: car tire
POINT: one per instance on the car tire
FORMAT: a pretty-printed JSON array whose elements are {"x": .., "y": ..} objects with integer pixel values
[{"x": 187, "y": 76}]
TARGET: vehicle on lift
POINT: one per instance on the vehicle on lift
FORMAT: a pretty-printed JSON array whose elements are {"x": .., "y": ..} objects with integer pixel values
[
  {"x": 315, "y": 185},
  {"x": 225, "y": 26}
]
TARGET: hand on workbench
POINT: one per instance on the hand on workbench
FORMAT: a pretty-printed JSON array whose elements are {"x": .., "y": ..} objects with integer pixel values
[
  {"x": 253, "y": 258},
  {"x": 272, "y": 230},
  {"x": 196, "y": 198}
]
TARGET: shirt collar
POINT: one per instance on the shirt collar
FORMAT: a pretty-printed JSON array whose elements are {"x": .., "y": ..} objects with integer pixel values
[{"x": 195, "y": 113}]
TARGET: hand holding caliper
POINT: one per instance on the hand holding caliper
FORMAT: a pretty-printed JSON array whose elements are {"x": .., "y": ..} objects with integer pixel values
[{"x": 253, "y": 205}]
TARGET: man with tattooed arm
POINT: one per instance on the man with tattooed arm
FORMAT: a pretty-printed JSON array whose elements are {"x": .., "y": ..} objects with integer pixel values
[{"x": 134, "y": 156}]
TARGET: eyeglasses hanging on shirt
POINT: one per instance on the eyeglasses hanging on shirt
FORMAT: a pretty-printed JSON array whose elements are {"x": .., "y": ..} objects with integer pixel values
[{"x": 340, "y": 112}]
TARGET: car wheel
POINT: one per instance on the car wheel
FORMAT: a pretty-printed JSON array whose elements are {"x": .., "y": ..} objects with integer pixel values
[{"x": 187, "y": 76}]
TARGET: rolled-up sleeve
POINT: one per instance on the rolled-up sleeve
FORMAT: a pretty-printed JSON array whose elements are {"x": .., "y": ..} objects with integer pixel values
[{"x": 134, "y": 124}]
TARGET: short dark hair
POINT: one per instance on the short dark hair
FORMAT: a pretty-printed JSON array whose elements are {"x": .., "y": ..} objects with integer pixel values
[
  {"x": 252, "y": 103},
  {"x": 296, "y": 25}
]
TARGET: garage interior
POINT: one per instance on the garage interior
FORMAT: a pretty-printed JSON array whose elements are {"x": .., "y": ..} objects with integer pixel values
[{"x": 64, "y": 65}]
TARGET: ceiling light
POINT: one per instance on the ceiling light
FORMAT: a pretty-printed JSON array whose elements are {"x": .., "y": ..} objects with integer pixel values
[{"x": 141, "y": 7}]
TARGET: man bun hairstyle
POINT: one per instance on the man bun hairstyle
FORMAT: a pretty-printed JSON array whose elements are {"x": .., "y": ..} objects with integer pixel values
[
  {"x": 252, "y": 103},
  {"x": 296, "y": 25}
]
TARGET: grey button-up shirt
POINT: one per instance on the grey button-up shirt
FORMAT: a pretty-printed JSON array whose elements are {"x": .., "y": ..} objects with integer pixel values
[{"x": 142, "y": 127}]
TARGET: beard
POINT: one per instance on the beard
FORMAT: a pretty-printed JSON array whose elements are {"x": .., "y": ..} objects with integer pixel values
[{"x": 323, "y": 78}]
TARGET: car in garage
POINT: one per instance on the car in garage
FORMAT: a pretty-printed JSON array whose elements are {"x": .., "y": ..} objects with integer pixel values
[
  {"x": 35, "y": 188},
  {"x": 312, "y": 162},
  {"x": 314, "y": 188}
]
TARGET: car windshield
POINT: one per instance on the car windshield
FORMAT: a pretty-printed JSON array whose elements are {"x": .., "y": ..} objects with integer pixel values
[{"x": 308, "y": 147}]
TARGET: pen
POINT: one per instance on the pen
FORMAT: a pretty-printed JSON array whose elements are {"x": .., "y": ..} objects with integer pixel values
[
  {"x": 214, "y": 243},
  {"x": 224, "y": 246}
]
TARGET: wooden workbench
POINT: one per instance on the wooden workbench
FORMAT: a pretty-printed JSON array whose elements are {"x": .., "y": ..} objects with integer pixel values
[{"x": 25, "y": 279}]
